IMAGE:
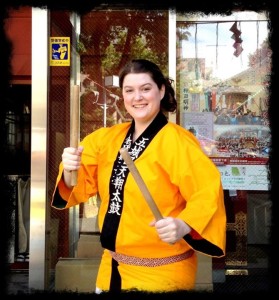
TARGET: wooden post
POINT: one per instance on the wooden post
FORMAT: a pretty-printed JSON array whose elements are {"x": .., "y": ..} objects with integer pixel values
[
  {"x": 74, "y": 138},
  {"x": 141, "y": 184}
]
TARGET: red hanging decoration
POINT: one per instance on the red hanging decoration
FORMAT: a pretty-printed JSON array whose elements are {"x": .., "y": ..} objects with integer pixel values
[{"x": 237, "y": 38}]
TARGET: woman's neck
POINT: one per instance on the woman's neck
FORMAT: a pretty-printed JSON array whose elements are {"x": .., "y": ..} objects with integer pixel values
[{"x": 139, "y": 129}]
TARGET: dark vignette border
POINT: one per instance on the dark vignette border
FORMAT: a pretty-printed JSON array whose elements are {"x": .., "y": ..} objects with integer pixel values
[{"x": 205, "y": 6}]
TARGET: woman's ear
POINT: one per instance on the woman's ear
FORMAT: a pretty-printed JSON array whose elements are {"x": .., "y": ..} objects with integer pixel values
[{"x": 162, "y": 91}]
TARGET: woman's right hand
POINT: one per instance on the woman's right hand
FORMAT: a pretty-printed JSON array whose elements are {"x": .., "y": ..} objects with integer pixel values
[{"x": 71, "y": 158}]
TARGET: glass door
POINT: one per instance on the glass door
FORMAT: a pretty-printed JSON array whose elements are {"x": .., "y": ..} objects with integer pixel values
[{"x": 223, "y": 68}]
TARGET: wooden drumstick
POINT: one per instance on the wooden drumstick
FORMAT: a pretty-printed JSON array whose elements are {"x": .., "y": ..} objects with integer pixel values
[
  {"x": 141, "y": 184},
  {"x": 74, "y": 136}
]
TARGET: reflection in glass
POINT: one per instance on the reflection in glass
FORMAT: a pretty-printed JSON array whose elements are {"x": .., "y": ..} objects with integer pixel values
[{"x": 223, "y": 68}]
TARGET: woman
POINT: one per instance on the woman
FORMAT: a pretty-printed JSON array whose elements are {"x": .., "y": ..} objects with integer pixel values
[{"x": 141, "y": 253}]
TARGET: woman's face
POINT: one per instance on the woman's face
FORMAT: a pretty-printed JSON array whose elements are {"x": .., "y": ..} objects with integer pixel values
[{"x": 141, "y": 96}]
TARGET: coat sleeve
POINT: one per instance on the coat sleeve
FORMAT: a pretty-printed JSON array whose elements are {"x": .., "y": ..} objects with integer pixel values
[
  {"x": 205, "y": 212},
  {"x": 63, "y": 197}
]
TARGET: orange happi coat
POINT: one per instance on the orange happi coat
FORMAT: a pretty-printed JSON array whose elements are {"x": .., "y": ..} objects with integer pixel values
[{"x": 181, "y": 178}]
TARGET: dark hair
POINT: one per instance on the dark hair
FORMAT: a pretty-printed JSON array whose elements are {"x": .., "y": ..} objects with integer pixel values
[{"x": 168, "y": 103}]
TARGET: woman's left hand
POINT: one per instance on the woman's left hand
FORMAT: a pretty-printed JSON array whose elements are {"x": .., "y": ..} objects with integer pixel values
[{"x": 171, "y": 230}]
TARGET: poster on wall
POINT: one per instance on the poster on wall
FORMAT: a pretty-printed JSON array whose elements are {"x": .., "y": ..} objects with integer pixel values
[
  {"x": 201, "y": 125},
  {"x": 242, "y": 140},
  {"x": 240, "y": 152},
  {"x": 59, "y": 51},
  {"x": 243, "y": 173}
]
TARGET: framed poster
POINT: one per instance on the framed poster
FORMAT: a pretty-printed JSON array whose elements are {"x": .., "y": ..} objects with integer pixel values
[{"x": 60, "y": 51}]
